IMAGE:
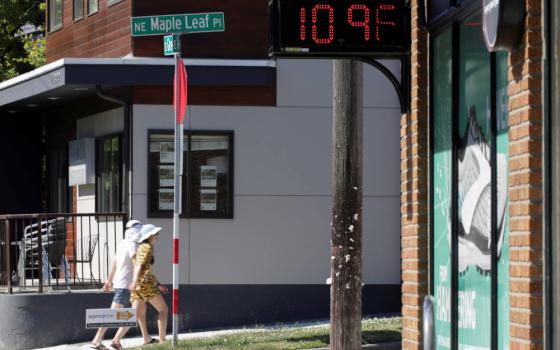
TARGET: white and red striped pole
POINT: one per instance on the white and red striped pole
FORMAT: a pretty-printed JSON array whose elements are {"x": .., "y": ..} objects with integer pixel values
[{"x": 180, "y": 104}]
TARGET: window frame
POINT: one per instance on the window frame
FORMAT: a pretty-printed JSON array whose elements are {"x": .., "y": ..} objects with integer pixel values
[
  {"x": 113, "y": 2},
  {"x": 76, "y": 19},
  {"x": 94, "y": 12},
  {"x": 98, "y": 165},
  {"x": 50, "y": 5},
  {"x": 187, "y": 186}
]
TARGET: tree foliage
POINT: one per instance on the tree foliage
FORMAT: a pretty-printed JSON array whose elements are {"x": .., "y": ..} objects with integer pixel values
[{"x": 19, "y": 52}]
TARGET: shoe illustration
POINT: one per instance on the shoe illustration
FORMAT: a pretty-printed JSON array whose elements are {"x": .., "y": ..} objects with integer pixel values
[{"x": 475, "y": 209}]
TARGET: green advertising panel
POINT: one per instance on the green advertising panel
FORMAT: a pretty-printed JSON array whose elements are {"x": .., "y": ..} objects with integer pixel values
[
  {"x": 471, "y": 113},
  {"x": 442, "y": 188},
  {"x": 474, "y": 190},
  {"x": 502, "y": 145}
]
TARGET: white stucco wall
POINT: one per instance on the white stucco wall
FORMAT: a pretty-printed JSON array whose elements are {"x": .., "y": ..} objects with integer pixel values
[
  {"x": 108, "y": 233},
  {"x": 282, "y": 164}
]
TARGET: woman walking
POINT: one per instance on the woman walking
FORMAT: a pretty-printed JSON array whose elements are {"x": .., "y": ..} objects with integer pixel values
[
  {"x": 145, "y": 287},
  {"x": 119, "y": 279}
]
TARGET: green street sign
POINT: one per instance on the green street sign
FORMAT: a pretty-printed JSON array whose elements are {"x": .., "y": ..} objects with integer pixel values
[
  {"x": 171, "y": 44},
  {"x": 183, "y": 23}
]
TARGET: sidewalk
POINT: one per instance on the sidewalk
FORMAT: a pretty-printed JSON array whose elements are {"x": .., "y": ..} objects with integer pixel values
[
  {"x": 136, "y": 341},
  {"x": 130, "y": 342}
]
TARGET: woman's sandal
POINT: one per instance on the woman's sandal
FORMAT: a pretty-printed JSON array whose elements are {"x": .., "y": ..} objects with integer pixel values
[
  {"x": 98, "y": 347},
  {"x": 116, "y": 346},
  {"x": 152, "y": 341}
]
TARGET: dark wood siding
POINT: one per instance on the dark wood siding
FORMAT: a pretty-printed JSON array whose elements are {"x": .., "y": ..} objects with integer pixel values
[
  {"x": 107, "y": 33},
  {"x": 245, "y": 36},
  {"x": 204, "y": 95},
  {"x": 103, "y": 34}
]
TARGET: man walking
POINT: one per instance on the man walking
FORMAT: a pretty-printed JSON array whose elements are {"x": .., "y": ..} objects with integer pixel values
[{"x": 120, "y": 277}]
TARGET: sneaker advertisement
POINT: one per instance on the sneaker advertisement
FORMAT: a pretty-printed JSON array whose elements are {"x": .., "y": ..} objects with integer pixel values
[
  {"x": 474, "y": 209},
  {"x": 442, "y": 164},
  {"x": 473, "y": 163}
]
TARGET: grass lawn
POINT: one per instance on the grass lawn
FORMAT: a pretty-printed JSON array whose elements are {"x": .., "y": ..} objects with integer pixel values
[{"x": 375, "y": 330}]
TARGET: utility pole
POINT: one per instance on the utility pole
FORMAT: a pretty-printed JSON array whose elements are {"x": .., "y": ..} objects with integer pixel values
[{"x": 346, "y": 227}]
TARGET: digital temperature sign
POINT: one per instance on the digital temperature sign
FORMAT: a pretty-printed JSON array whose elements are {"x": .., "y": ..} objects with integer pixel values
[{"x": 337, "y": 28}]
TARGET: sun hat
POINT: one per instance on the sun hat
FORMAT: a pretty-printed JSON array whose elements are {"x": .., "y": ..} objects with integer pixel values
[
  {"x": 147, "y": 231},
  {"x": 132, "y": 223},
  {"x": 133, "y": 233}
]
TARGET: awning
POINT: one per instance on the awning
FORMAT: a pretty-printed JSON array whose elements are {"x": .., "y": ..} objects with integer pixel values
[{"x": 73, "y": 78}]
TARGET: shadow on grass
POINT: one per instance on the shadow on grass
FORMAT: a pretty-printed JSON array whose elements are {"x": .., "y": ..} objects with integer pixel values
[{"x": 368, "y": 337}]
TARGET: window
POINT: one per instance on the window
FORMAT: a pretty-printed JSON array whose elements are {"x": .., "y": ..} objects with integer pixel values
[
  {"x": 59, "y": 193},
  {"x": 207, "y": 187},
  {"x": 108, "y": 174},
  {"x": 78, "y": 9},
  {"x": 112, "y": 2},
  {"x": 55, "y": 14},
  {"x": 93, "y": 7},
  {"x": 470, "y": 233}
]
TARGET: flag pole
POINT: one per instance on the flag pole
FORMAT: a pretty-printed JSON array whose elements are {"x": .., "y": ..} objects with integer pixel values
[{"x": 178, "y": 172}]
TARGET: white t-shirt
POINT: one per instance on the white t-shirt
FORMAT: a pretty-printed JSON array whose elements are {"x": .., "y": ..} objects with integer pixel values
[{"x": 125, "y": 267}]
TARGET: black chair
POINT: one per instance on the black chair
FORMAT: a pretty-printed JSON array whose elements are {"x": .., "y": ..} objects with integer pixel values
[{"x": 53, "y": 240}]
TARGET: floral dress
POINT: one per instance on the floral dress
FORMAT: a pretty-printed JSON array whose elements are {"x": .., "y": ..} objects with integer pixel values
[{"x": 146, "y": 286}]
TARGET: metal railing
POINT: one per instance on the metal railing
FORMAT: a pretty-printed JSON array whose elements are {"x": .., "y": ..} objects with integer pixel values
[{"x": 57, "y": 251}]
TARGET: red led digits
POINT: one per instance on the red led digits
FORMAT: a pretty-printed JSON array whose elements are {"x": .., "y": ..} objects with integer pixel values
[
  {"x": 317, "y": 8},
  {"x": 379, "y": 22},
  {"x": 364, "y": 23},
  {"x": 302, "y": 31},
  {"x": 358, "y": 16}
]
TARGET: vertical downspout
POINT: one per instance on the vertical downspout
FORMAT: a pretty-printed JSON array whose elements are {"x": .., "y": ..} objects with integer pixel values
[{"x": 127, "y": 150}]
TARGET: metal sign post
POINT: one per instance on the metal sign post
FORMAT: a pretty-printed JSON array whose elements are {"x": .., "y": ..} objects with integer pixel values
[
  {"x": 180, "y": 102},
  {"x": 176, "y": 25}
]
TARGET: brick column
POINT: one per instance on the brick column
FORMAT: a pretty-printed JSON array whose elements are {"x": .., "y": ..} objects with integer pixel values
[
  {"x": 525, "y": 185},
  {"x": 414, "y": 190}
]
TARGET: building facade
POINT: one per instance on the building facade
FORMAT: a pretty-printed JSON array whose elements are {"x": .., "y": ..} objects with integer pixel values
[{"x": 256, "y": 218}]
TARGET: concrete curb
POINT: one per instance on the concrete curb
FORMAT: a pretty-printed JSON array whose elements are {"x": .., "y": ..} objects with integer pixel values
[{"x": 380, "y": 346}]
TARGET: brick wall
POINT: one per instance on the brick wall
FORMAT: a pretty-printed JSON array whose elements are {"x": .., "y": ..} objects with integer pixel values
[
  {"x": 525, "y": 188},
  {"x": 414, "y": 190},
  {"x": 525, "y": 185}
]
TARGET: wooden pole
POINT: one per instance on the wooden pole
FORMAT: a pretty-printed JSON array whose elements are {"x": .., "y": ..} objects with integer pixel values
[{"x": 346, "y": 227}]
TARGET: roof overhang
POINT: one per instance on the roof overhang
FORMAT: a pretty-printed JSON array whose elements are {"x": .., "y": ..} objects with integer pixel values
[{"x": 72, "y": 78}]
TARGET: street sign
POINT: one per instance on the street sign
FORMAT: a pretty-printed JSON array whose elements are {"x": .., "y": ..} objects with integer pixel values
[
  {"x": 110, "y": 318},
  {"x": 171, "y": 44},
  {"x": 182, "y": 23}
]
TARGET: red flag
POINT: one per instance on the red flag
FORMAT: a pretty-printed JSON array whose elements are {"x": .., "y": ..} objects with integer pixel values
[{"x": 180, "y": 91}]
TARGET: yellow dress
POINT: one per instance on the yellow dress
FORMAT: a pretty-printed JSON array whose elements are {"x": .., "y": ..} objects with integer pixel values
[{"x": 146, "y": 287}]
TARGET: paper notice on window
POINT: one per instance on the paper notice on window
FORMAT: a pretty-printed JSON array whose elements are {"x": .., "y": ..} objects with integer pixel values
[
  {"x": 166, "y": 152},
  {"x": 165, "y": 199},
  {"x": 208, "y": 175},
  {"x": 208, "y": 200},
  {"x": 166, "y": 177}
]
